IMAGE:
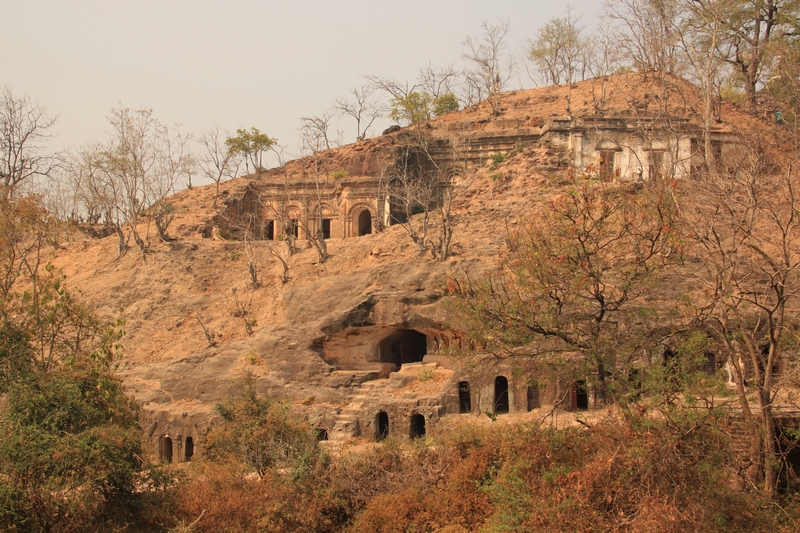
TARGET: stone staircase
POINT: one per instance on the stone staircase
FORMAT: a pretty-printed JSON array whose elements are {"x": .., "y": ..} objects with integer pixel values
[
  {"x": 347, "y": 425},
  {"x": 366, "y": 393}
]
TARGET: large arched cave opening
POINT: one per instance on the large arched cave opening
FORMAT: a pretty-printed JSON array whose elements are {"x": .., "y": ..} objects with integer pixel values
[{"x": 403, "y": 346}]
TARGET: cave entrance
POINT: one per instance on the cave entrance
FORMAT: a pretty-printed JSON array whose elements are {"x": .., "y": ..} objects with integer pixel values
[
  {"x": 381, "y": 426},
  {"x": 579, "y": 397},
  {"x": 464, "y": 398},
  {"x": 364, "y": 223},
  {"x": 501, "y": 395},
  {"x": 403, "y": 346},
  {"x": 417, "y": 426},
  {"x": 165, "y": 449},
  {"x": 789, "y": 448},
  {"x": 188, "y": 450}
]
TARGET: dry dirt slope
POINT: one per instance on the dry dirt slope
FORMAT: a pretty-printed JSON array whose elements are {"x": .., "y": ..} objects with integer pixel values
[{"x": 169, "y": 365}]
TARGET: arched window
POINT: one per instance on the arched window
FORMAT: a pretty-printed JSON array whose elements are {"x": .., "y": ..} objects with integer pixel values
[{"x": 501, "y": 404}]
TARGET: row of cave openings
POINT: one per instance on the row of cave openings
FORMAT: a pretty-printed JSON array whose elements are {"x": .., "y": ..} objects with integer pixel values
[
  {"x": 578, "y": 397},
  {"x": 416, "y": 426},
  {"x": 501, "y": 405},
  {"x": 362, "y": 225},
  {"x": 177, "y": 451}
]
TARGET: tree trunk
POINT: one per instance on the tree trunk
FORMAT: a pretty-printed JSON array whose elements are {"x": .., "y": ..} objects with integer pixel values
[
  {"x": 771, "y": 464},
  {"x": 122, "y": 247}
]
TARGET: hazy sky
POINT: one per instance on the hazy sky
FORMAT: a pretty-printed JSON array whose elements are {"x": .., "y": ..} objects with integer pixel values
[{"x": 238, "y": 63}]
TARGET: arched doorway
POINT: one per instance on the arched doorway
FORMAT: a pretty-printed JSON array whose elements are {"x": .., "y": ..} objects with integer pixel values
[
  {"x": 364, "y": 223},
  {"x": 403, "y": 346},
  {"x": 501, "y": 404},
  {"x": 607, "y": 149},
  {"x": 165, "y": 449},
  {"x": 188, "y": 450},
  {"x": 417, "y": 426},
  {"x": 464, "y": 398}
]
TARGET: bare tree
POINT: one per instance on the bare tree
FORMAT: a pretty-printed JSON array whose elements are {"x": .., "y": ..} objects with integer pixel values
[
  {"x": 98, "y": 195},
  {"x": 605, "y": 58},
  {"x": 312, "y": 188},
  {"x": 24, "y": 127},
  {"x": 700, "y": 34},
  {"x": 412, "y": 182},
  {"x": 491, "y": 68},
  {"x": 575, "y": 274},
  {"x": 362, "y": 108},
  {"x": 391, "y": 86},
  {"x": 457, "y": 180},
  {"x": 439, "y": 82},
  {"x": 746, "y": 231},
  {"x": 131, "y": 175},
  {"x": 217, "y": 162},
  {"x": 750, "y": 28},
  {"x": 315, "y": 130},
  {"x": 242, "y": 304},
  {"x": 174, "y": 162},
  {"x": 647, "y": 33}
]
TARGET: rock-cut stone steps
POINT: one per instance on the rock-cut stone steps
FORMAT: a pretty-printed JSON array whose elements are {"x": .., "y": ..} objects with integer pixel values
[{"x": 347, "y": 424}]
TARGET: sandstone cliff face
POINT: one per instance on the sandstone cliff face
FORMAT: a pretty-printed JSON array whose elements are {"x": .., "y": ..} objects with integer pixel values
[{"x": 330, "y": 339}]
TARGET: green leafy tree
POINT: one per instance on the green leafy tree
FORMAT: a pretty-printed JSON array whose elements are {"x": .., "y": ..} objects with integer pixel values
[
  {"x": 750, "y": 32},
  {"x": 415, "y": 108},
  {"x": 418, "y": 108},
  {"x": 70, "y": 450},
  {"x": 444, "y": 104},
  {"x": 251, "y": 145},
  {"x": 258, "y": 432},
  {"x": 560, "y": 51}
]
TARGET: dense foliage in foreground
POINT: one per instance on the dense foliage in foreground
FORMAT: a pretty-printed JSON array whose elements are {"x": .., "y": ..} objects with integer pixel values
[{"x": 629, "y": 472}]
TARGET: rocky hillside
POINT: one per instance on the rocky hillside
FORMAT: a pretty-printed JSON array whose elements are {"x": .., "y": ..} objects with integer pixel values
[{"x": 184, "y": 343}]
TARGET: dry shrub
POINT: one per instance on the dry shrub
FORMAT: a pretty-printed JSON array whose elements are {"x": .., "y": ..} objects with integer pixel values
[
  {"x": 228, "y": 499},
  {"x": 655, "y": 474},
  {"x": 627, "y": 473}
]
